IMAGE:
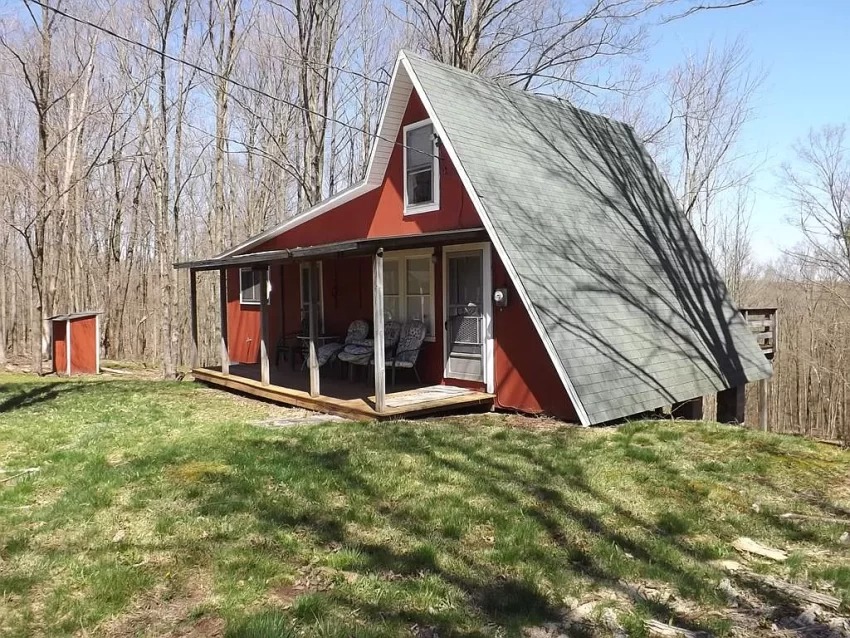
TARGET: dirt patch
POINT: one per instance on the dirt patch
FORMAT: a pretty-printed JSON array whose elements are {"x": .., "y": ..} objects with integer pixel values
[
  {"x": 207, "y": 627},
  {"x": 296, "y": 416},
  {"x": 285, "y": 594},
  {"x": 165, "y": 612},
  {"x": 513, "y": 420}
]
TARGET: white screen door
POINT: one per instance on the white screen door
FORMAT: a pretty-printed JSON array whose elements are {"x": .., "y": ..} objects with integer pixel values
[{"x": 464, "y": 325}]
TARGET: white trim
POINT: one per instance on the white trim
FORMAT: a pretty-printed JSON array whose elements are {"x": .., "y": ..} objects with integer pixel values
[
  {"x": 500, "y": 249},
  {"x": 490, "y": 344},
  {"x": 402, "y": 256},
  {"x": 97, "y": 344},
  {"x": 434, "y": 204},
  {"x": 487, "y": 352},
  {"x": 68, "y": 347},
  {"x": 305, "y": 265},
  {"x": 243, "y": 302}
]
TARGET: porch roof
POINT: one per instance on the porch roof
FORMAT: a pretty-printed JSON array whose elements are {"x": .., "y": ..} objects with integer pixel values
[{"x": 341, "y": 249}]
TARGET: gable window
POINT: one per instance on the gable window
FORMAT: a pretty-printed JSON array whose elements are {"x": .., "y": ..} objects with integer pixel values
[
  {"x": 249, "y": 286},
  {"x": 421, "y": 168},
  {"x": 305, "y": 296},
  {"x": 409, "y": 288}
]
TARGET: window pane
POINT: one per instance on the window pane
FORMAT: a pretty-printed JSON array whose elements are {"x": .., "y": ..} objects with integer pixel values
[
  {"x": 247, "y": 282},
  {"x": 420, "y": 187},
  {"x": 420, "y": 147},
  {"x": 391, "y": 309},
  {"x": 419, "y": 307},
  {"x": 391, "y": 278},
  {"x": 419, "y": 276},
  {"x": 250, "y": 285}
]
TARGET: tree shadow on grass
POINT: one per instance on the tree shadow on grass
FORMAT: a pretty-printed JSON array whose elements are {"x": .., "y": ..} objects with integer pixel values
[
  {"x": 21, "y": 397},
  {"x": 503, "y": 585}
]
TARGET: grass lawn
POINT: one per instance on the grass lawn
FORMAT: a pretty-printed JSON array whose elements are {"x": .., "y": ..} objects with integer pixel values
[{"x": 163, "y": 509}]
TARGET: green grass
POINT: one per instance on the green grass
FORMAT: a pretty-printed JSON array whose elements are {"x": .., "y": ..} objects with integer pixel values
[{"x": 159, "y": 508}]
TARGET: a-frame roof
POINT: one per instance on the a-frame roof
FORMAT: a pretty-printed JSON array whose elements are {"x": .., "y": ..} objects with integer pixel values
[{"x": 627, "y": 302}]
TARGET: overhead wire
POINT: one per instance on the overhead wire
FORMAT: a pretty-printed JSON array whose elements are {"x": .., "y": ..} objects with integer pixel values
[{"x": 224, "y": 78}]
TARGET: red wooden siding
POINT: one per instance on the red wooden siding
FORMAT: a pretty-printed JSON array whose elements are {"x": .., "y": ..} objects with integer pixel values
[
  {"x": 378, "y": 213},
  {"x": 243, "y": 320},
  {"x": 347, "y": 283},
  {"x": 526, "y": 379},
  {"x": 60, "y": 360},
  {"x": 84, "y": 345}
]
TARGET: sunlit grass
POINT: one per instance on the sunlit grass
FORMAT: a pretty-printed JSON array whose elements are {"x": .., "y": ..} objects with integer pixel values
[{"x": 158, "y": 506}]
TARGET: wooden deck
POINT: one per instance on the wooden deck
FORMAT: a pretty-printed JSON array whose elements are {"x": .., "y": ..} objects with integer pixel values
[{"x": 342, "y": 397}]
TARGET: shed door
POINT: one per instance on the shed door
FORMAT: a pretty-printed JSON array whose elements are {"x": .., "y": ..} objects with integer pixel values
[
  {"x": 465, "y": 315},
  {"x": 60, "y": 347}
]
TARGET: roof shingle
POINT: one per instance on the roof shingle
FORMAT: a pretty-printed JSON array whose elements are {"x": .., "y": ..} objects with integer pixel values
[{"x": 616, "y": 276}]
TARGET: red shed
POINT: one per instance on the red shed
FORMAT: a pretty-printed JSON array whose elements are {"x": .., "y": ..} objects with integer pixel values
[{"x": 76, "y": 343}]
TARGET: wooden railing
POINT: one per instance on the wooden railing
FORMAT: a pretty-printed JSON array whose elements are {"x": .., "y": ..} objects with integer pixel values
[{"x": 763, "y": 324}]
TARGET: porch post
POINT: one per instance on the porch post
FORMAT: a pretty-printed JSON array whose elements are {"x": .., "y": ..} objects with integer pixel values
[
  {"x": 264, "y": 326},
  {"x": 763, "y": 414},
  {"x": 193, "y": 315},
  {"x": 222, "y": 309},
  {"x": 313, "y": 329},
  {"x": 378, "y": 322}
]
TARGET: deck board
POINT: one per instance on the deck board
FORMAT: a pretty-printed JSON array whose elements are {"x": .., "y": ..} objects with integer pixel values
[{"x": 344, "y": 398}]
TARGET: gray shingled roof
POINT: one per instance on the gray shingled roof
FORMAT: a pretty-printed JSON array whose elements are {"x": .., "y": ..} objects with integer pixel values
[{"x": 625, "y": 293}]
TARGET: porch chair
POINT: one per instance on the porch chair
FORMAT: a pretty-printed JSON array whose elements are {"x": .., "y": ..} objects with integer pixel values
[
  {"x": 357, "y": 332},
  {"x": 362, "y": 354},
  {"x": 289, "y": 345},
  {"x": 407, "y": 352}
]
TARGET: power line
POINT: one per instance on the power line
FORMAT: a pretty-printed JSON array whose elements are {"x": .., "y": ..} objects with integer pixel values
[{"x": 218, "y": 76}]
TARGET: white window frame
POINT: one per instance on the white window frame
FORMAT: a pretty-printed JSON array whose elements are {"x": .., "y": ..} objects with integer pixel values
[
  {"x": 305, "y": 266},
  {"x": 426, "y": 207},
  {"x": 401, "y": 257},
  {"x": 250, "y": 302}
]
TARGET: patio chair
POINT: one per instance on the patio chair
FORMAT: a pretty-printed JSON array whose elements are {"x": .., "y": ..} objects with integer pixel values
[
  {"x": 357, "y": 332},
  {"x": 362, "y": 354},
  {"x": 407, "y": 352},
  {"x": 289, "y": 345}
]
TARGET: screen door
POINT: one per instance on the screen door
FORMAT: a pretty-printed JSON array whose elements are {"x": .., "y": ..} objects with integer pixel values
[{"x": 465, "y": 315}]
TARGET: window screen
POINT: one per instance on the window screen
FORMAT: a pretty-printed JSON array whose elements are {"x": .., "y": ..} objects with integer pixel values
[{"x": 420, "y": 165}]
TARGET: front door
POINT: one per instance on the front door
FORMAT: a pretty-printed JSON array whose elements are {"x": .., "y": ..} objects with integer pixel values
[{"x": 465, "y": 316}]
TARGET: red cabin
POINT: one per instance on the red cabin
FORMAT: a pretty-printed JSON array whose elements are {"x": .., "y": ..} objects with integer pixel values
[{"x": 507, "y": 250}]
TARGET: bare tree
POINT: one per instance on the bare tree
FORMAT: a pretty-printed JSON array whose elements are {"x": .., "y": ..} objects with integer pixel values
[
  {"x": 317, "y": 26},
  {"x": 222, "y": 36},
  {"x": 540, "y": 44},
  {"x": 817, "y": 185}
]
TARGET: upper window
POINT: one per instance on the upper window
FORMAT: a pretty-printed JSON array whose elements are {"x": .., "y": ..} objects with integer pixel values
[
  {"x": 421, "y": 168},
  {"x": 249, "y": 286}
]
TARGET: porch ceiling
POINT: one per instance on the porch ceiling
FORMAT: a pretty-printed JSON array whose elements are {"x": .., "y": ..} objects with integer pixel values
[{"x": 340, "y": 249}]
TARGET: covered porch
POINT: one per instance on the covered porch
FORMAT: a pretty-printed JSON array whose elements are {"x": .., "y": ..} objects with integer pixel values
[{"x": 319, "y": 272}]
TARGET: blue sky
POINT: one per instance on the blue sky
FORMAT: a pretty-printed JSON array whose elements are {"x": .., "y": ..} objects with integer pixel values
[{"x": 804, "y": 45}]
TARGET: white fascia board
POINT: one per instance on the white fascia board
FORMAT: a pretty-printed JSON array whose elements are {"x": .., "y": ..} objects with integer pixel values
[
  {"x": 488, "y": 224},
  {"x": 340, "y": 198}
]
